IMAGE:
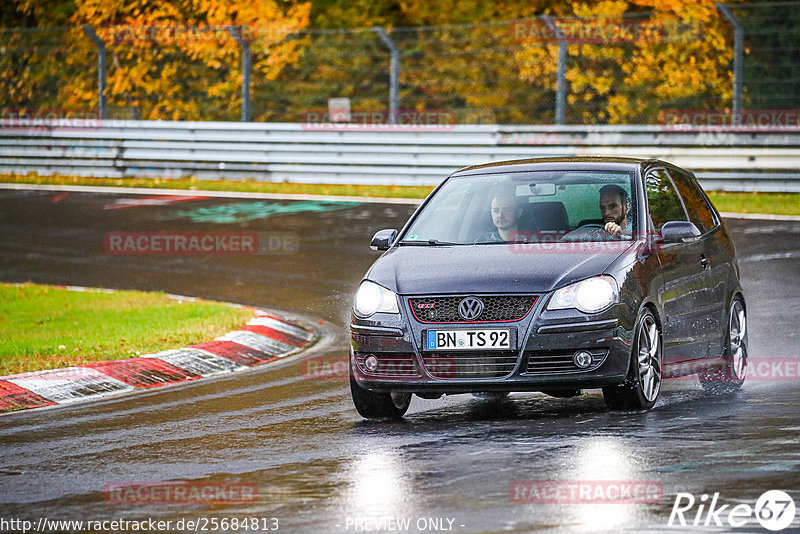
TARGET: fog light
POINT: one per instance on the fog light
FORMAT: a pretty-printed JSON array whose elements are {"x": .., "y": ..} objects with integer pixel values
[
  {"x": 371, "y": 363},
  {"x": 582, "y": 359}
]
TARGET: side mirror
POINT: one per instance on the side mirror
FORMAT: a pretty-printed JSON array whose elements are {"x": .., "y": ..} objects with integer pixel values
[
  {"x": 678, "y": 231},
  {"x": 383, "y": 239}
]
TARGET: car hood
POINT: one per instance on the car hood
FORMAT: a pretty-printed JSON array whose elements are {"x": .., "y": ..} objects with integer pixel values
[{"x": 431, "y": 269}]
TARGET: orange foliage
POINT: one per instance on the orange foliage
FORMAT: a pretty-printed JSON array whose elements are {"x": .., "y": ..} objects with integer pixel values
[
  {"x": 686, "y": 59},
  {"x": 160, "y": 51}
]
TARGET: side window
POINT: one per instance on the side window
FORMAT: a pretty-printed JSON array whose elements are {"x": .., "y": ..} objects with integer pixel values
[
  {"x": 665, "y": 205},
  {"x": 696, "y": 205}
]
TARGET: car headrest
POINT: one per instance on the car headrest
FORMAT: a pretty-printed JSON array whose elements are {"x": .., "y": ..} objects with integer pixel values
[{"x": 547, "y": 216}]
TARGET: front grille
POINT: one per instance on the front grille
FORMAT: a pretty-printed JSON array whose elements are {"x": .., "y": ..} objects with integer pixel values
[
  {"x": 389, "y": 364},
  {"x": 496, "y": 308},
  {"x": 560, "y": 362},
  {"x": 468, "y": 364}
]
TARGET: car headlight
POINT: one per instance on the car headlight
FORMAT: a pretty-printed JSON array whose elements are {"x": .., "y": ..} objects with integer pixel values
[
  {"x": 372, "y": 298},
  {"x": 589, "y": 296}
]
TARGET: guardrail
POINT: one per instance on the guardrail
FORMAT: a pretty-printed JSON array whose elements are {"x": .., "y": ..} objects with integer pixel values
[{"x": 404, "y": 155}]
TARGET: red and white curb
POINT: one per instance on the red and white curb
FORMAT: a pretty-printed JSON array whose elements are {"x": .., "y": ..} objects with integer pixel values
[{"x": 263, "y": 339}]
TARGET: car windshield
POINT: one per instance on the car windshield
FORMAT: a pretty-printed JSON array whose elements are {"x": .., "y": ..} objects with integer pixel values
[{"x": 539, "y": 206}]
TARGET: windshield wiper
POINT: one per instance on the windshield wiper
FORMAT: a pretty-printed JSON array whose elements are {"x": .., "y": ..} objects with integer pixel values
[{"x": 428, "y": 242}]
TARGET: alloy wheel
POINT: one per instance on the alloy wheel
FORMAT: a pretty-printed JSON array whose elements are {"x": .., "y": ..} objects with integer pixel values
[
  {"x": 737, "y": 329},
  {"x": 649, "y": 362}
]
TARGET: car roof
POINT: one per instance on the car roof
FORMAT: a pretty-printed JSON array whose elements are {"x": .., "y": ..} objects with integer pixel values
[{"x": 608, "y": 163}]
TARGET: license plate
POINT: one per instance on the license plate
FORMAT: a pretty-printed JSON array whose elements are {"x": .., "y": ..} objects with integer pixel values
[{"x": 468, "y": 339}]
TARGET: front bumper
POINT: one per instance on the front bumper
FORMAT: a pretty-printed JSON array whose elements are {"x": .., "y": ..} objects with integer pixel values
[{"x": 540, "y": 361}]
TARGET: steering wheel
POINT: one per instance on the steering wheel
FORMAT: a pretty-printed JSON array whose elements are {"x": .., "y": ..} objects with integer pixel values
[{"x": 588, "y": 229}]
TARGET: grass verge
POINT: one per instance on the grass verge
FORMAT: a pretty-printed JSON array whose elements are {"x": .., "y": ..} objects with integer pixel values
[
  {"x": 42, "y": 327},
  {"x": 771, "y": 203},
  {"x": 734, "y": 202}
]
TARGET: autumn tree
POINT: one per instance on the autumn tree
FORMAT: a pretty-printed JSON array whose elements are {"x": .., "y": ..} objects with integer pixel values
[
  {"x": 456, "y": 56},
  {"x": 177, "y": 59},
  {"x": 462, "y": 56},
  {"x": 172, "y": 60},
  {"x": 680, "y": 60}
]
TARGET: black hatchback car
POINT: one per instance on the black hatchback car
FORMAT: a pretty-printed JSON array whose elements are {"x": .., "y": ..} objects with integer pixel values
[{"x": 552, "y": 275}]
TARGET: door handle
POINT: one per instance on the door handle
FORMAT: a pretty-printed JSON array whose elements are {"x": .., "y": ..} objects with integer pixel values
[{"x": 704, "y": 261}]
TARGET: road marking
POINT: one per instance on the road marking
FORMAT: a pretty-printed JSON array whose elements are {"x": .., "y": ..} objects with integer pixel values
[
  {"x": 278, "y": 335},
  {"x": 282, "y": 326},
  {"x": 251, "y": 211},
  {"x": 156, "y": 200},
  {"x": 760, "y": 216},
  {"x": 769, "y": 229},
  {"x": 772, "y": 256},
  {"x": 235, "y": 352},
  {"x": 197, "y": 361},
  {"x": 143, "y": 372},
  {"x": 14, "y": 397},
  {"x": 58, "y": 198},
  {"x": 257, "y": 342},
  {"x": 279, "y": 324},
  {"x": 741, "y": 465},
  {"x": 70, "y": 384},
  {"x": 214, "y": 194}
]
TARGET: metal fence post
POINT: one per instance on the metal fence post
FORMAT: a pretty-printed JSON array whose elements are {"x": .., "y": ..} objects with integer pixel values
[
  {"x": 237, "y": 32},
  {"x": 394, "y": 73},
  {"x": 561, "y": 71},
  {"x": 101, "y": 70},
  {"x": 246, "y": 67},
  {"x": 738, "y": 55}
]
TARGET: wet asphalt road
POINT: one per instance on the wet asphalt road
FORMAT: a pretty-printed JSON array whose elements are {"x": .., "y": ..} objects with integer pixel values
[{"x": 293, "y": 432}]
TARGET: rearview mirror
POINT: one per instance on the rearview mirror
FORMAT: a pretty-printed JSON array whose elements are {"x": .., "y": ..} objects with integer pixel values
[
  {"x": 383, "y": 239},
  {"x": 536, "y": 190},
  {"x": 678, "y": 231}
]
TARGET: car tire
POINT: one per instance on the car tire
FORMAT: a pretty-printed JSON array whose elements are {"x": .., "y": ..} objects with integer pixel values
[
  {"x": 374, "y": 405},
  {"x": 643, "y": 384},
  {"x": 729, "y": 376}
]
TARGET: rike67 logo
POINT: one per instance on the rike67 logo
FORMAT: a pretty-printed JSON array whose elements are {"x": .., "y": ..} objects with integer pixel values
[{"x": 774, "y": 510}]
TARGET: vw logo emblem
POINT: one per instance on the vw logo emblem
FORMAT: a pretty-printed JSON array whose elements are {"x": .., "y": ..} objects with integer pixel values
[{"x": 470, "y": 308}]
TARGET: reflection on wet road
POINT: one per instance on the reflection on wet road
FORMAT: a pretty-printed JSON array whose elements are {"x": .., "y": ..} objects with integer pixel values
[{"x": 291, "y": 430}]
